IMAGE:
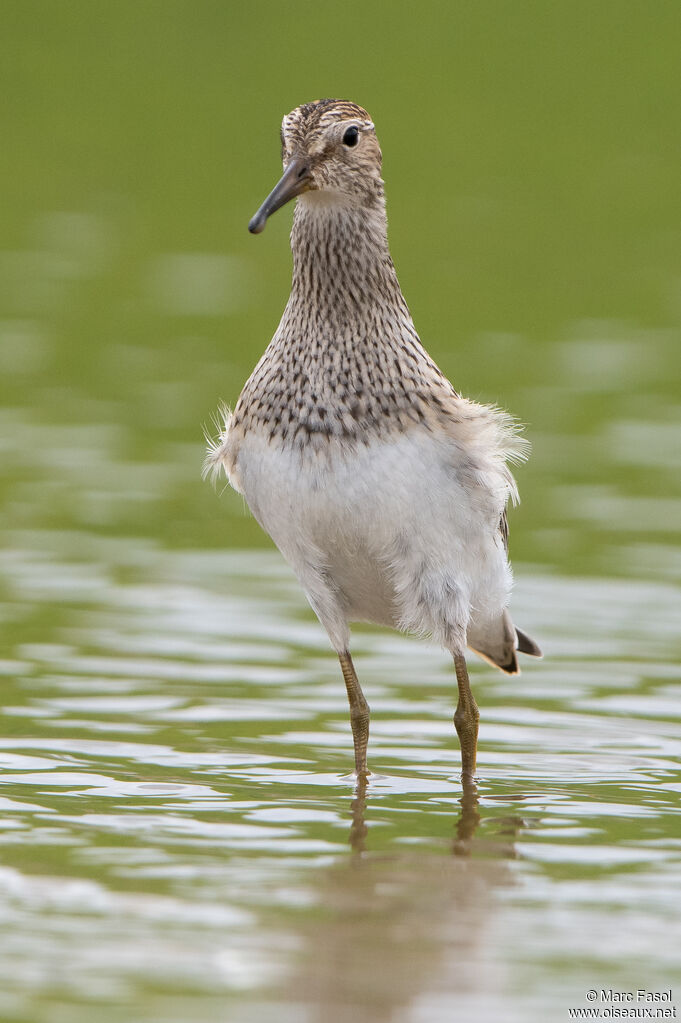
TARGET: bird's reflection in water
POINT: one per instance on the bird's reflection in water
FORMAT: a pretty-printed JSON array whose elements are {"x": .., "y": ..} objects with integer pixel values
[
  {"x": 358, "y": 827},
  {"x": 464, "y": 830},
  {"x": 398, "y": 934}
]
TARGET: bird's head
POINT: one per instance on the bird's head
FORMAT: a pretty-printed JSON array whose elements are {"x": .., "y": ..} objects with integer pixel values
[{"x": 329, "y": 150}]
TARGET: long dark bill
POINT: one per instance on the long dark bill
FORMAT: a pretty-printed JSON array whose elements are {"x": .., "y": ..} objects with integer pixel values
[{"x": 295, "y": 180}]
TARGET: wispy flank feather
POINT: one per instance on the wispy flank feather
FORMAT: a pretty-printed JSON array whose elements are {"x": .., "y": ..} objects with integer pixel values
[{"x": 214, "y": 460}]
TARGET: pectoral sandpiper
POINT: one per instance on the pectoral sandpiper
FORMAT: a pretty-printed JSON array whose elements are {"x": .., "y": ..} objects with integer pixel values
[{"x": 383, "y": 488}]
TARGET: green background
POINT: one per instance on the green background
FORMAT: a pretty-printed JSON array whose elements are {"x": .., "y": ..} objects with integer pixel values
[{"x": 531, "y": 157}]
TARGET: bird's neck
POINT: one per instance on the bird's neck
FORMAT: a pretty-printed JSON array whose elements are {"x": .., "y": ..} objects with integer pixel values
[{"x": 341, "y": 265}]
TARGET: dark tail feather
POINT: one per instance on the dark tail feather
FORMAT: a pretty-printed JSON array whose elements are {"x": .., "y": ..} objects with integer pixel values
[
  {"x": 527, "y": 645},
  {"x": 511, "y": 666}
]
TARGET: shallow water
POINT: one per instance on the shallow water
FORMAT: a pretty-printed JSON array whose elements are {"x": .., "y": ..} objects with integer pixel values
[{"x": 180, "y": 836}]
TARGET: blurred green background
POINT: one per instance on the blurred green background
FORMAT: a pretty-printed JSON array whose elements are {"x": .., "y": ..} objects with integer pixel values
[{"x": 531, "y": 156}]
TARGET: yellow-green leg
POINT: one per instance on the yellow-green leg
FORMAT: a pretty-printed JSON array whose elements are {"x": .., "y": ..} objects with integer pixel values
[
  {"x": 359, "y": 714},
  {"x": 466, "y": 719}
]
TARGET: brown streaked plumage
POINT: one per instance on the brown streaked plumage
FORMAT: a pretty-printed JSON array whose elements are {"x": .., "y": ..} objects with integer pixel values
[{"x": 382, "y": 486}]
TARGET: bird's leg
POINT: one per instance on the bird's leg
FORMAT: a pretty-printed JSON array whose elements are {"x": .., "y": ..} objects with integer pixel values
[
  {"x": 466, "y": 719},
  {"x": 359, "y": 714}
]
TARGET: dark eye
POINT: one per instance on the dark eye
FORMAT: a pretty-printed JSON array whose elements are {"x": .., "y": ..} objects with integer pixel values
[{"x": 351, "y": 136}]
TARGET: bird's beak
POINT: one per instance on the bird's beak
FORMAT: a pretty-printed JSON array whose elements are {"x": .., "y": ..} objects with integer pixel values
[{"x": 296, "y": 179}]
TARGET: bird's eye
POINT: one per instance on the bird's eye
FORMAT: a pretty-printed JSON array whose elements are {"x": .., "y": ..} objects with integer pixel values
[{"x": 351, "y": 136}]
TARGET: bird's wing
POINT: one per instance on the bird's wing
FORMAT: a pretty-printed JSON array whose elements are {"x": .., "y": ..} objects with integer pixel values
[{"x": 503, "y": 529}]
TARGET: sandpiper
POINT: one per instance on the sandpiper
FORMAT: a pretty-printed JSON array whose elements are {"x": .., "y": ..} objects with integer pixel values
[{"x": 384, "y": 489}]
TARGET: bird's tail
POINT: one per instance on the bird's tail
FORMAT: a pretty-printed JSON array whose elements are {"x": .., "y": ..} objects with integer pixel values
[{"x": 498, "y": 643}]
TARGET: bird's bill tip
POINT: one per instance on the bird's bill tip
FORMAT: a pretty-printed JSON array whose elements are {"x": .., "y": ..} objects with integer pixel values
[
  {"x": 294, "y": 181},
  {"x": 257, "y": 222}
]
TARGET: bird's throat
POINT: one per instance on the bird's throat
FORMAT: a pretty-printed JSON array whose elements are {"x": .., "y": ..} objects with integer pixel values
[{"x": 341, "y": 255}]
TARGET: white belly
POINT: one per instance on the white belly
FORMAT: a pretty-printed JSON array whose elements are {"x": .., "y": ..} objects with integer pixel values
[{"x": 403, "y": 532}]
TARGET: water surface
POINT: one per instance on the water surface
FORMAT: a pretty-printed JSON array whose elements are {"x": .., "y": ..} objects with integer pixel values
[{"x": 181, "y": 839}]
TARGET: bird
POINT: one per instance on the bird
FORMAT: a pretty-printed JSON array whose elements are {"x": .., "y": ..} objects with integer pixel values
[{"x": 384, "y": 489}]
